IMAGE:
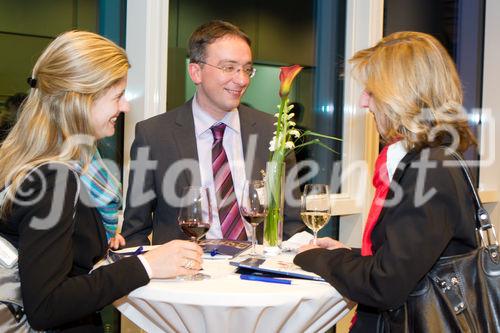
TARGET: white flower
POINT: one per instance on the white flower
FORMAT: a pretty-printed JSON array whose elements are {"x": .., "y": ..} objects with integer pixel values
[
  {"x": 291, "y": 115},
  {"x": 291, "y": 123},
  {"x": 294, "y": 132},
  {"x": 289, "y": 145},
  {"x": 276, "y": 114},
  {"x": 272, "y": 144}
]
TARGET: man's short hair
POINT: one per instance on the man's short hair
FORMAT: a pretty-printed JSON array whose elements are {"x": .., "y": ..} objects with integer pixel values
[{"x": 207, "y": 34}]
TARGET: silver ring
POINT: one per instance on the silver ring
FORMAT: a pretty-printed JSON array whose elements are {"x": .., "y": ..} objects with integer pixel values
[{"x": 189, "y": 264}]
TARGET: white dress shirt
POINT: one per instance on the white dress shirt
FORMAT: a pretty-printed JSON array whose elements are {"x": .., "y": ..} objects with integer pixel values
[
  {"x": 395, "y": 153},
  {"x": 233, "y": 146}
]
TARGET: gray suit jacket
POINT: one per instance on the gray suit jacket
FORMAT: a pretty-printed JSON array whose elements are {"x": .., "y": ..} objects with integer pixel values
[{"x": 168, "y": 138}]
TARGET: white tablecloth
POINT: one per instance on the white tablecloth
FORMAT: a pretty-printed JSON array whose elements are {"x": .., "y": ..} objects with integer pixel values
[{"x": 225, "y": 303}]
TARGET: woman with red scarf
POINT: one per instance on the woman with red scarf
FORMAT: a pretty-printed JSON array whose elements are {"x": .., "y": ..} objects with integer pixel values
[{"x": 422, "y": 208}]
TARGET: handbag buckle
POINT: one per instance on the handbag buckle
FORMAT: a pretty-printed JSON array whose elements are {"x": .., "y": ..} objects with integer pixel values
[
  {"x": 459, "y": 307},
  {"x": 488, "y": 236},
  {"x": 451, "y": 290},
  {"x": 442, "y": 284}
]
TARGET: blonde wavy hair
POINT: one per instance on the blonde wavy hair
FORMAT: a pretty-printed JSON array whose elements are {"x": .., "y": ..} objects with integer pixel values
[
  {"x": 415, "y": 86},
  {"x": 73, "y": 71}
]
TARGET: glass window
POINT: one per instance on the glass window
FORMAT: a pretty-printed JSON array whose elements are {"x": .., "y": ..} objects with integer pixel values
[{"x": 459, "y": 26}]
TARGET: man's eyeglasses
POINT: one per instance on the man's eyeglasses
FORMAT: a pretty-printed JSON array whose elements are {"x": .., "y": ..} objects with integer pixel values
[{"x": 232, "y": 69}]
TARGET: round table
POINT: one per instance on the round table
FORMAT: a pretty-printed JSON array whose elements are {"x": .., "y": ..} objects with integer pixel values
[{"x": 225, "y": 303}]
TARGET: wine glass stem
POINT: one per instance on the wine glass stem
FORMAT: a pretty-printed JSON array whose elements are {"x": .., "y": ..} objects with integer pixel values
[
  {"x": 254, "y": 238},
  {"x": 315, "y": 239}
]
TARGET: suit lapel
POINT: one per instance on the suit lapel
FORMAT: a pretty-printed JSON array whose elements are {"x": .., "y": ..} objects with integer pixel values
[
  {"x": 400, "y": 170},
  {"x": 251, "y": 141},
  {"x": 101, "y": 231},
  {"x": 403, "y": 165},
  {"x": 185, "y": 140},
  {"x": 84, "y": 196}
]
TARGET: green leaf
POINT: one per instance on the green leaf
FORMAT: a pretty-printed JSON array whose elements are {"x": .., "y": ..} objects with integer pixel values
[{"x": 311, "y": 133}]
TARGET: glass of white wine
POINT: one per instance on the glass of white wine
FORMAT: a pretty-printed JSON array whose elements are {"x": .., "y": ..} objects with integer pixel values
[{"x": 315, "y": 207}]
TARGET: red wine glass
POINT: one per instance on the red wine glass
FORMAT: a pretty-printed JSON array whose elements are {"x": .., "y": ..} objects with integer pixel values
[{"x": 253, "y": 207}]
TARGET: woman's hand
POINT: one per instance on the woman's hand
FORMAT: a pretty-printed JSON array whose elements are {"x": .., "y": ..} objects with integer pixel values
[
  {"x": 325, "y": 243},
  {"x": 116, "y": 242},
  {"x": 307, "y": 247},
  {"x": 177, "y": 257}
]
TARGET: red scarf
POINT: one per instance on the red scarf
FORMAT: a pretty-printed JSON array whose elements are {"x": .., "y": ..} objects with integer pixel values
[{"x": 381, "y": 184}]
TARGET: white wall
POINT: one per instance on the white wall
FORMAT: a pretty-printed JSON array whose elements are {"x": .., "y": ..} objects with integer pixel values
[
  {"x": 490, "y": 175},
  {"x": 147, "y": 36},
  {"x": 364, "y": 25}
]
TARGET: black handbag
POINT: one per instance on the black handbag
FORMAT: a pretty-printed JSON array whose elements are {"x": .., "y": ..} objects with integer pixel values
[{"x": 460, "y": 293}]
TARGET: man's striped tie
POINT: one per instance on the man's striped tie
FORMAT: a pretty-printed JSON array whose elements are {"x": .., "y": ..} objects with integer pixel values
[{"x": 229, "y": 214}]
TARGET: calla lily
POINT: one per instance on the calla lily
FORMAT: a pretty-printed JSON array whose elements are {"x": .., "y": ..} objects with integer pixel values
[
  {"x": 287, "y": 75},
  {"x": 281, "y": 144}
]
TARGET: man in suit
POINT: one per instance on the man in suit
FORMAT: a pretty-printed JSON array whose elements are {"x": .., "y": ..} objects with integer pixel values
[{"x": 175, "y": 149}]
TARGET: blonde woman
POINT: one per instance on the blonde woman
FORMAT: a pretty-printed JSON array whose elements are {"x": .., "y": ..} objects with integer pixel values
[
  {"x": 423, "y": 209},
  {"x": 54, "y": 185}
]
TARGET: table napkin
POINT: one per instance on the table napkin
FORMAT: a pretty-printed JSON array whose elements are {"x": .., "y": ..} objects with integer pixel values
[{"x": 296, "y": 241}]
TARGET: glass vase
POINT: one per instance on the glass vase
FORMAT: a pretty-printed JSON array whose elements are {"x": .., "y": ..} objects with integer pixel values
[{"x": 273, "y": 225}]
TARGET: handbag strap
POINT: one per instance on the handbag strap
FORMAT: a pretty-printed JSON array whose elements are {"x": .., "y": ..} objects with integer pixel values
[{"x": 483, "y": 224}]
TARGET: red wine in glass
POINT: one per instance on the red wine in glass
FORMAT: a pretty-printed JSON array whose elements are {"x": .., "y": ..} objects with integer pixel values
[
  {"x": 194, "y": 229},
  {"x": 253, "y": 207},
  {"x": 254, "y": 218},
  {"x": 195, "y": 218}
]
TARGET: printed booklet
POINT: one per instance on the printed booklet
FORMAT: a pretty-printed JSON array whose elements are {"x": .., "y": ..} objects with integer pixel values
[
  {"x": 273, "y": 266},
  {"x": 223, "y": 248}
]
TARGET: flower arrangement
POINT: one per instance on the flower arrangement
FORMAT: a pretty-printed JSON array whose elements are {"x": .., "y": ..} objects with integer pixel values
[{"x": 286, "y": 139}]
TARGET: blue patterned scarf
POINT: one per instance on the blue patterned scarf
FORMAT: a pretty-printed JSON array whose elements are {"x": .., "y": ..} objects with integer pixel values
[{"x": 105, "y": 192}]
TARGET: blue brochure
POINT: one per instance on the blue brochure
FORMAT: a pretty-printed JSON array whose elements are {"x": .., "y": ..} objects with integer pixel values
[{"x": 273, "y": 267}]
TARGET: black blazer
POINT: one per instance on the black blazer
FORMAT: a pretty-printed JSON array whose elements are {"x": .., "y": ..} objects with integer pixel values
[
  {"x": 168, "y": 138},
  {"x": 409, "y": 237},
  {"x": 56, "y": 255}
]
